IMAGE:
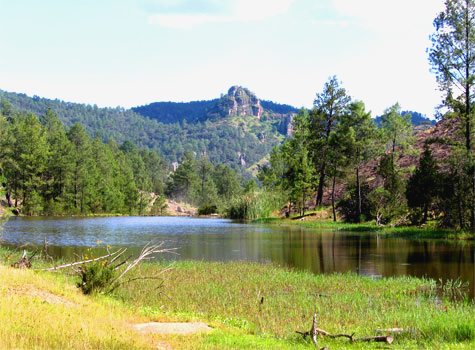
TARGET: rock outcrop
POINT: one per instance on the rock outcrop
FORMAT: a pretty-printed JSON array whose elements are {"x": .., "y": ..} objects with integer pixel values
[{"x": 238, "y": 101}]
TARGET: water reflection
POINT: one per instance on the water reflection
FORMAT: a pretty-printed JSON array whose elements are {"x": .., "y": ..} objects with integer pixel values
[{"x": 223, "y": 240}]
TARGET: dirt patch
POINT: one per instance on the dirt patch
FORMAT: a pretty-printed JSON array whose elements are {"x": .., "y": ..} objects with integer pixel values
[
  {"x": 48, "y": 297},
  {"x": 171, "y": 328}
]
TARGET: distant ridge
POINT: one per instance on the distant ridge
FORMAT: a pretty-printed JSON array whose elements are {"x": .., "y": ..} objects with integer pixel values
[
  {"x": 238, "y": 101},
  {"x": 417, "y": 119},
  {"x": 236, "y": 129}
]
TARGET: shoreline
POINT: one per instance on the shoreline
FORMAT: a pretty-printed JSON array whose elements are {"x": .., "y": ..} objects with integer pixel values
[
  {"x": 411, "y": 232},
  {"x": 248, "y": 306}
]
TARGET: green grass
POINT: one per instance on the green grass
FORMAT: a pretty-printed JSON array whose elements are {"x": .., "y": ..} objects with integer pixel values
[
  {"x": 230, "y": 294},
  {"x": 250, "y": 306},
  {"x": 400, "y": 231}
]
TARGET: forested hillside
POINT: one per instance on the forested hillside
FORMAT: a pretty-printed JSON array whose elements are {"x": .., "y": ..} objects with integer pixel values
[{"x": 235, "y": 130}]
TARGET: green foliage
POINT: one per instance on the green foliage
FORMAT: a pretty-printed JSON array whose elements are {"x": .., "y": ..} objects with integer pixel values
[
  {"x": 159, "y": 206},
  {"x": 388, "y": 200},
  {"x": 423, "y": 187},
  {"x": 170, "y": 129},
  {"x": 456, "y": 193},
  {"x": 330, "y": 106},
  {"x": 184, "y": 183},
  {"x": 48, "y": 170},
  {"x": 96, "y": 277},
  {"x": 396, "y": 131},
  {"x": 207, "y": 209},
  {"x": 253, "y": 205},
  {"x": 453, "y": 61},
  {"x": 348, "y": 206}
]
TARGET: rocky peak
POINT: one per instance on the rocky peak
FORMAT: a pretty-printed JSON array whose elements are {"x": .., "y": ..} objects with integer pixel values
[{"x": 240, "y": 101}]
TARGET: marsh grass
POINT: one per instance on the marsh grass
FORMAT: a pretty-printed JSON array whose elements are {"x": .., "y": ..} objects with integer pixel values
[
  {"x": 265, "y": 300},
  {"x": 396, "y": 231}
]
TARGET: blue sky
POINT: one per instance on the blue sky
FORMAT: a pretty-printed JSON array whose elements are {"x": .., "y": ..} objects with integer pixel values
[{"x": 130, "y": 53}]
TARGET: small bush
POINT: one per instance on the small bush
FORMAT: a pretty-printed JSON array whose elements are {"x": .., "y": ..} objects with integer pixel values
[
  {"x": 348, "y": 206},
  {"x": 96, "y": 277},
  {"x": 464, "y": 332}
]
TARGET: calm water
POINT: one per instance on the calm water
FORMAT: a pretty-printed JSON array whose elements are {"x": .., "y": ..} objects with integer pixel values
[{"x": 224, "y": 240}]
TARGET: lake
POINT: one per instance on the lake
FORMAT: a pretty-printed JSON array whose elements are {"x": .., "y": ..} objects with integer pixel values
[{"x": 316, "y": 250}]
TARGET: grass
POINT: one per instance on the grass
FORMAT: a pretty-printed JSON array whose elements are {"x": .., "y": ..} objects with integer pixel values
[
  {"x": 250, "y": 306},
  {"x": 396, "y": 231},
  {"x": 272, "y": 303},
  {"x": 41, "y": 311}
]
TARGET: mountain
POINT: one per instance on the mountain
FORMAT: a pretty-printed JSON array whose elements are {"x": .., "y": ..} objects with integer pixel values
[
  {"x": 417, "y": 119},
  {"x": 237, "y": 129},
  {"x": 238, "y": 101}
]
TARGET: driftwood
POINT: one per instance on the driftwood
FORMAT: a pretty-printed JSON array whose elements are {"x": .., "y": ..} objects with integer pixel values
[
  {"x": 379, "y": 338},
  {"x": 146, "y": 253},
  {"x": 24, "y": 262},
  {"x": 115, "y": 254},
  {"x": 314, "y": 332}
]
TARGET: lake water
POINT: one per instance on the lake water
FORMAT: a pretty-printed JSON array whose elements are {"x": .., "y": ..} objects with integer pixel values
[{"x": 319, "y": 251}]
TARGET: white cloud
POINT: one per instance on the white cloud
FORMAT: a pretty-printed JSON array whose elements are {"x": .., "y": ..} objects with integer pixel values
[
  {"x": 180, "y": 15},
  {"x": 400, "y": 15}
]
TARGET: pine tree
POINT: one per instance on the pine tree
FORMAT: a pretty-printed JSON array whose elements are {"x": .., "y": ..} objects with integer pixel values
[
  {"x": 424, "y": 185},
  {"x": 329, "y": 107}
]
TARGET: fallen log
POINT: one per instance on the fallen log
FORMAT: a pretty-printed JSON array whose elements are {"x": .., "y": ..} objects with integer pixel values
[
  {"x": 379, "y": 338},
  {"x": 314, "y": 332}
]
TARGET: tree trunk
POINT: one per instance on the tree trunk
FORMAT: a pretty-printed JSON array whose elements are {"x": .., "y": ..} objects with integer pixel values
[
  {"x": 303, "y": 204},
  {"x": 321, "y": 182},
  {"x": 460, "y": 211},
  {"x": 426, "y": 209},
  {"x": 468, "y": 105},
  {"x": 333, "y": 198},
  {"x": 9, "y": 198},
  {"x": 358, "y": 192}
]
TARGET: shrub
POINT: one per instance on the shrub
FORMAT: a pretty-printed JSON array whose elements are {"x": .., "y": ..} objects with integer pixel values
[
  {"x": 96, "y": 277},
  {"x": 348, "y": 206},
  {"x": 254, "y": 205}
]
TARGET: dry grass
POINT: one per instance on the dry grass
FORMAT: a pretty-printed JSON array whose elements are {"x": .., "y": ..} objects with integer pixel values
[{"x": 38, "y": 311}]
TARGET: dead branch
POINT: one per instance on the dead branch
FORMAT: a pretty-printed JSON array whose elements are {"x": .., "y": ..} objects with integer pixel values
[
  {"x": 147, "y": 251},
  {"x": 23, "y": 262},
  {"x": 315, "y": 331},
  {"x": 380, "y": 338},
  {"x": 116, "y": 257},
  {"x": 45, "y": 247},
  {"x": 122, "y": 263},
  {"x": 120, "y": 252},
  {"x": 117, "y": 285}
]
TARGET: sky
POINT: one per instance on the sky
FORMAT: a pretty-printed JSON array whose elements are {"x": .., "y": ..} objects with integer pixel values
[{"x": 134, "y": 52}]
